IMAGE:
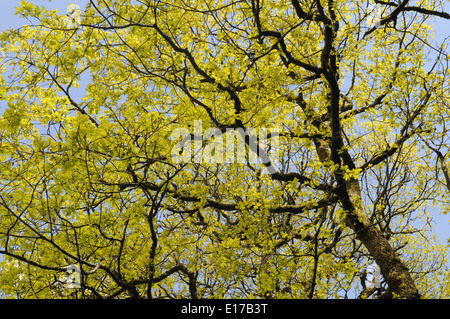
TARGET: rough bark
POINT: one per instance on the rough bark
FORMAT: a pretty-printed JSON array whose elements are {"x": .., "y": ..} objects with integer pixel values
[{"x": 395, "y": 272}]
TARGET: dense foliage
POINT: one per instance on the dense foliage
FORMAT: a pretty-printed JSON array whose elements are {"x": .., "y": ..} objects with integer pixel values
[{"x": 350, "y": 100}]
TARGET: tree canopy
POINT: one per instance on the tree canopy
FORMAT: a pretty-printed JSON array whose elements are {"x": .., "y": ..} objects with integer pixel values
[{"x": 224, "y": 149}]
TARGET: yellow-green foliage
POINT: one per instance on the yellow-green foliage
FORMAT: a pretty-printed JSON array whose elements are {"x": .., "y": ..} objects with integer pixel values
[{"x": 87, "y": 178}]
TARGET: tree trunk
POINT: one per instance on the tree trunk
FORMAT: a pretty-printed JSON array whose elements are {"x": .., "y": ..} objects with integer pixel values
[{"x": 395, "y": 272}]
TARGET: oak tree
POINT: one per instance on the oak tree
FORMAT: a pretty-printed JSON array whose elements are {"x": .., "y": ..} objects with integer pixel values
[{"x": 352, "y": 98}]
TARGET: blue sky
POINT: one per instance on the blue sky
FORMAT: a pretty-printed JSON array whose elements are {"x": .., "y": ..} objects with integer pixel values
[{"x": 9, "y": 20}]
